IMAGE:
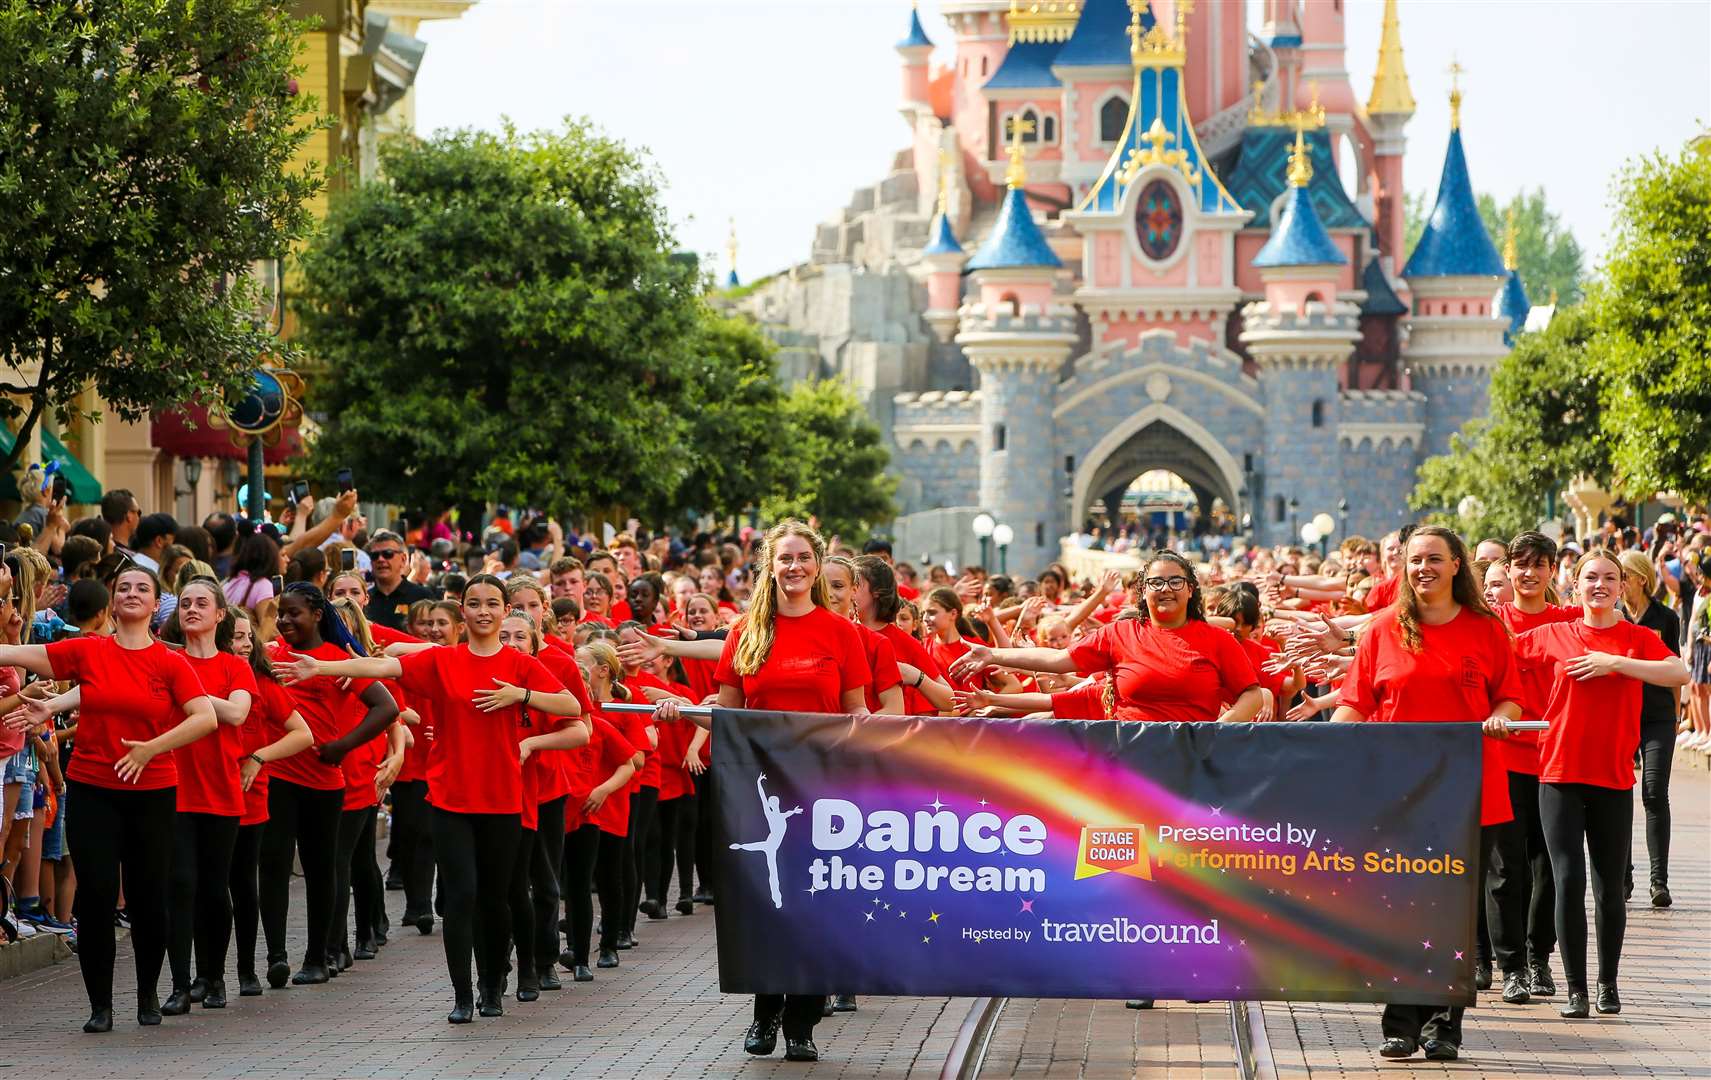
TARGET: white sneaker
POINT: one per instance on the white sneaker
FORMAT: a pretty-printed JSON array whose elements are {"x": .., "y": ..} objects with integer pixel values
[{"x": 25, "y": 929}]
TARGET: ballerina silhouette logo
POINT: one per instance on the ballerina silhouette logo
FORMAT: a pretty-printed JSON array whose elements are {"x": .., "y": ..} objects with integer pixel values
[{"x": 776, "y": 822}]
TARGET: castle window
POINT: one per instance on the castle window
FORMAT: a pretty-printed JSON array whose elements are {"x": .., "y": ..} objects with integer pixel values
[
  {"x": 997, "y": 436},
  {"x": 983, "y": 67},
  {"x": 1010, "y": 304},
  {"x": 1318, "y": 413},
  {"x": 1039, "y": 538},
  {"x": 1278, "y": 509},
  {"x": 1048, "y": 129},
  {"x": 1112, "y": 115},
  {"x": 1033, "y": 118}
]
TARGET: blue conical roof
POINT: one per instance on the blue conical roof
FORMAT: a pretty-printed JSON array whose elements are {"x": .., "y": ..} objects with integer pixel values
[
  {"x": 944, "y": 241},
  {"x": 731, "y": 281},
  {"x": 1299, "y": 240},
  {"x": 1381, "y": 299},
  {"x": 917, "y": 36},
  {"x": 1455, "y": 243},
  {"x": 1101, "y": 36},
  {"x": 1511, "y": 303},
  {"x": 1015, "y": 240}
]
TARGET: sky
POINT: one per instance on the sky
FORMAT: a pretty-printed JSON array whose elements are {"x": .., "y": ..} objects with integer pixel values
[{"x": 772, "y": 112}]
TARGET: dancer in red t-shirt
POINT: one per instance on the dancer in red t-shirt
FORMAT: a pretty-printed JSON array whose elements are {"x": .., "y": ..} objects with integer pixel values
[{"x": 594, "y": 850}]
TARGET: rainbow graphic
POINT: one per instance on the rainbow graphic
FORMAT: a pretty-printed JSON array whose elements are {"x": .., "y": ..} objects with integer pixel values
[{"x": 967, "y": 857}]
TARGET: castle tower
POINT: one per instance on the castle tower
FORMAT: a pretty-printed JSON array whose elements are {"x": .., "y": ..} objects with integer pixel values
[
  {"x": 731, "y": 279},
  {"x": 1454, "y": 272},
  {"x": 1511, "y": 303},
  {"x": 983, "y": 38},
  {"x": 1387, "y": 112},
  {"x": 915, "y": 48},
  {"x": 943, "y": 258},
  {"x": 1300, "y": 335},
  {"x": 1017, "y": 336}
]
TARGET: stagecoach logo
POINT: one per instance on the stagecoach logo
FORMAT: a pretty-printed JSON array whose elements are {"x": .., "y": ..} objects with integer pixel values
[{"x": 1108, "y": 849}]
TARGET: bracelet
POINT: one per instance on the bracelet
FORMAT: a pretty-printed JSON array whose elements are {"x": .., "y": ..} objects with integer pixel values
[
  {"x": 527, "y": 694},
  {"x": 920, "y": 677},
  {"x": 257, "y": 759}
]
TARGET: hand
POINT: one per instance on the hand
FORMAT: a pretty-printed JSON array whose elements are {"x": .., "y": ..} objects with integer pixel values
[
  {"x": 345, "y": 505},
  {"x": 248, "y": 769},
  {"x": 305, "y": 507},
  {"x": 136, "y": 759},
  {"x": 596, "y": 799},
  {"x": 666, "y": 711},
  {"x": 502, "y": 696},
  {"x": 1109, "y": 582},
  {"x": 1496, "y": 727},
  {"x": 300, "y": 668},
  {"x": 692, "y": 761},
  {"x": 645, "y": 649},
  {"x": 1593, "y": 665},
  {"x": 30, "y": 714},
  {"x": 56, "y": 518},
  {"x": 973, "y": 662},
  {"x": 525, "y": 750},
  {"x": 1305, "y": 709},
  {"x": 1267, "y": 708},
  {"x": 420, "y": 570},
  {"x": 54, "y": 595},
  {"x": 1030, "y": 614},
  {"x": 333, "y": 752},
  {"x": 968, "y": 701}
]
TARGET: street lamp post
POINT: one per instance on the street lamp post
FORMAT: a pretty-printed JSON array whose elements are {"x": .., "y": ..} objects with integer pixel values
[
  {"x": 1002, "y": 535},
  {"x": 1323, "y": 524},
  {"x": 1343, "y": 518},
  {"x": 983, "y": 526},
  {"x": 1294, "y": 516}
]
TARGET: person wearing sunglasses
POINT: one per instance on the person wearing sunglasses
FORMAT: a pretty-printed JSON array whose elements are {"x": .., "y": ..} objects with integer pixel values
[
  {"x": 390, "y": 599},
  {"x": 1170, "y": 665}
]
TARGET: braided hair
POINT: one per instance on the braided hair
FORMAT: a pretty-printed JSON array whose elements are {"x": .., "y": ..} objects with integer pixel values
[{"x": 332, "y": 628}]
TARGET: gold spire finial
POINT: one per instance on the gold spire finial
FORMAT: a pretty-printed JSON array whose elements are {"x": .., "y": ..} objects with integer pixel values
[
  {"x": 1455, "y": 70},
  {"x": 1300, "y": 169},
  {"x": 1043, "y": 20},
  {"x": 731, "y": 245},
  {"x": 1510, "y": 262},
  {"x": 1390, "y": 93},
  {"x": 945, "y": 160},
  {"x": 1157, "y": 48},
  {"x": 1017, "y": 174}
]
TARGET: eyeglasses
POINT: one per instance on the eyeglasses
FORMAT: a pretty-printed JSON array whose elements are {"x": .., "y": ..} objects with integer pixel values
[
  {"x": 1161, "y": 584},
  {"x": 385, "y": 553}
]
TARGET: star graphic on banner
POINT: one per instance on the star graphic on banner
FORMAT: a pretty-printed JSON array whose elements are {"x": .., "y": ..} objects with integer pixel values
[
  {"x": 1217, "y": 811},
  {"x": 1027, "y": 908},
  {"x": 887, "y": 907},
  {"x": 1458, "y": 954},
  {"x": 936, "y": 804},
  {"x": 933, "y": 918},
  {"x": 812, "y": 889},
  {"x": 902, "y": 914},
  {"x": 1425, "y": 944},
  {"x": 869, "y": 915},
  {"x": 925, "y": 940},
  {"x": 876, "y": 901},
  {"x": 983, "y": 802},
  {"x": 1428, "y": 849}
]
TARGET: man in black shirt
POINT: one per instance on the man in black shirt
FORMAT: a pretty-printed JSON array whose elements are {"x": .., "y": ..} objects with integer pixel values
[{"x": 390, "y": 597}]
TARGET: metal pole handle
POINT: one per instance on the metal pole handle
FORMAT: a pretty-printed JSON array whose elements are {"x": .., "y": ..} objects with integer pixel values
[{"x": 646, "y": 708}]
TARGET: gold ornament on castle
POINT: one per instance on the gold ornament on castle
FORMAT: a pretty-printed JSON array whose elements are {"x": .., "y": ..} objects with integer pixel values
[
  {"x": 1043, "y": 20},
  {"x": 1456, "y": 70},
  {"x": 1313, "y": 116},
  {"x": 1157, "y": 48},
  {"x": 1158, "y": 135},
  {"x": 1017, "y": 174}
]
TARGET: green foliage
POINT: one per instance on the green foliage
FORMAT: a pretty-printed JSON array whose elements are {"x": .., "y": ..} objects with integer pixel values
[
  {"x": 1546, "y": 253},
  {"x": 1654, "y": 327},
  {"x": 1415, "y": 211},
  {"x": 146, "y": 162},
  {"x": 839, "y": 463}
]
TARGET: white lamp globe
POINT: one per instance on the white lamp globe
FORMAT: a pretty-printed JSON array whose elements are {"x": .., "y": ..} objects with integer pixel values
[
  {"x": 983, "y": 525},
  {"x": 1309, "y": 533},
  {"x": 1324, "y": 523},
  {"x": 1002, "y": 535}
]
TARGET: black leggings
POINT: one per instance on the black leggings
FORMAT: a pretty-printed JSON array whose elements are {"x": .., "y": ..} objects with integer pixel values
[
  {"x": 246, "y": 910},
  {"x": 676, "y": 841},
  {"x": 107, "y": 830},
  {"x": 643, "y": 803},
  {"x": 413, "y": 830},
  {"x": 475, "y": 853},
  {"x": 1604, "y": 819},
  {"x": 596, "y": 858},
  {"x": 303, "y": 822},
  {"x": 534, "y": 893},
  {"x": 199, "y": 892},
  {"x": 1521, "y": 891},
  {"x": 353, "y": 870},
  {"x": 1657, "y": 754}
]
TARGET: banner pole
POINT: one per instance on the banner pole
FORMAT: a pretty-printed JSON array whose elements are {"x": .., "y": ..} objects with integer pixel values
[{"x": 646, "y": 708}]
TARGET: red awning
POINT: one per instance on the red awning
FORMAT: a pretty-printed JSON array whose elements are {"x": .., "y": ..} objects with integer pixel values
[{"x": 185, "y": 432}]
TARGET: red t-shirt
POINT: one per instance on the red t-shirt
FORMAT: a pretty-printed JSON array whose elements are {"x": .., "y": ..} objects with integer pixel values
[
  {"x": 620, "y": 612},
  {"x": 648, "y": 775},
  {"x": 415, "y": 765},
  {"x": 1383, "y": 594},
  {"x": 1259, "y": 654},
  {"x": 611, "y": 751},
  {"x": 1180, "y": 675},
  {"x": 1520, "y": 751},
  {"x": 266, "y": 724},
  {"x": 597, "y": 620},
  {"x": 815, "y": 658},
  {"x": 908, "y": 592},
  {"x": 208, "y": 768},
  {"x": 362, "y": 765},
  {"x": 553, "y": 768},
  {"x": 131, "y": 694},
  {"x": 1083, "y": 702},
  {"x": 945, "y": 654},
  {"x": 472, "y": 767},
  {"x": 384, "y": 635},
  {"x": 1463, "y": 671},
  {"x": 1595, "y": 723},
  {"x": 325, "y": 707},
  {"x": 910, "y": 651},
  {"x": 881, "y": 664},
  {"x": 675, "y": 780},
  {"x": 703, "y": 680}
]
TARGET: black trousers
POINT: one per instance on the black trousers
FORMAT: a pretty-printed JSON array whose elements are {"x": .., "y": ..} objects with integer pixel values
[
  {"x": 303, "y": 822},
  {"x": 534, "y": 893},
  {"x": 1519, "y": 882},
  {"x": 581, "y": 852},
  {"x": 706, "y": 809},
  {"x": 800, "y": 1012},
  {"x": 199, "y": 894},
  {"x": 413, "y": 836},
  {"x": 643, "y": 803},
  {"x": 1423, "y": 1022},
  {"x": 353, "y": 871},
  {"x": 108, "y": 831},
  {"x": 676, "y": 845},
  {"x": 475, "y": 853},
  {"x": 246, "y": 893},
  {"x": 1657, "y": 755},
  {"x": 1602, "y": 818}
]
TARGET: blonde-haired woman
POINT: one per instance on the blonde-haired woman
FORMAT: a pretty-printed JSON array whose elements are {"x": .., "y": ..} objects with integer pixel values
[{"x": 1659, "y": 707}]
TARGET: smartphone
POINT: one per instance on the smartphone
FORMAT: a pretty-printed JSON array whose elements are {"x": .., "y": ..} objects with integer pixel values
[
  {"x": 59, "y": 487},
  {"x": 343, "y": 479},
  {"x": 278, "y": 581},
  {"x": 347, "y": 559},
  {"x": 299, "y": 492}
]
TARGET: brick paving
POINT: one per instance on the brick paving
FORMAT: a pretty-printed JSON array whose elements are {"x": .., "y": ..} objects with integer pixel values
[{"x": 658, "y": 1015}]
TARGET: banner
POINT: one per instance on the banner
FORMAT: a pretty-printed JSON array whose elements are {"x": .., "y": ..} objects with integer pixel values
[{"x": 940, "y": 856}]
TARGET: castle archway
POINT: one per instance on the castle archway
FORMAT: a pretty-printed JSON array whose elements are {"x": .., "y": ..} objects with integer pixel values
[{"x": 1157, "y": 437}]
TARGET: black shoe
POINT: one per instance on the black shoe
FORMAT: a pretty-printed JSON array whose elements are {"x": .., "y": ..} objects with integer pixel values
[
  {"x": 1576, "y": 1007},
  {"x": 1438, "y": 1050},
  {"x": 425, "y": 924},
  {"x": 844, "y": 1003},
  {"x": 100, "y": 1022},
  {"x": 1138, "y": 1003},
  {"x": 651, "y": 909},
  {"x": 1515, "y": 990},
  {"x": 626, "y": 940},
  {"x": 380, "y": 939},
  {"x": 1482, "y": 974},
  {"x": 278, "y": 974},
  {"x": 528, "y": 989},
  {"x": 1396, "y": 1047},
  {"x": 1628, "y": 885},
  {"x": 248, "y": 986},
  {"x": 215, "y": 998},
  {"x": 309, "y": 975},
  {"x": 1608, "y": 1003},
  {"x": 802, "y": 1049},
  {"x": 463, "y": 1010},
  {"x": 345, "y": 961},
  {"x": 489, "y": 1004},
  {"x": 550, "y": 980},
  {"x": 762, "y": 1037},
  {"x": 567, "y": 960},
  {"x": 1539, "y": 978},
  {"x": 177, "y": 1003},
  {"x": 705, "y": 896},
  {"x": 686, "y": 907},
  {"x": 825, "y": 1006},
  {"x": 148, "y": 1009},
  {"x": 198, "y": 990},
  {"x": 582, "y": 974},
  {"x": 1660, "y": 896},
  {"x": 364, "y": 951},
  {"x": 394, "y": 882},
  {"x": 608, "y": 959}
]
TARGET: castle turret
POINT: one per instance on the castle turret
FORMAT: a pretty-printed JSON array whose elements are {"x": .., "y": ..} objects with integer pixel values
[
  {"x": 1017, "y": 336},
  {"x": 1300, "y": 336},
  {"x": 1454, "y": 337},
  {"x": 1511, "y": 303},
  {"x": 1387, "y": 113},
  {"x": 916, "y": 48},
  {"x": 731, "y": 279},
  {"x": 943, "y": 258}
]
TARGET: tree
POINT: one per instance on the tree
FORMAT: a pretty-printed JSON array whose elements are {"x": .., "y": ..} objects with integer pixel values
[
  {"x": 1654, "y": 328},
  {"x": 502, "y": 319},
  {"x": 146, "y": 165},
  {"x": 1548, "y": 256},
  {"x": 839, "y": 461},
  {"x": 1545, "y": 427}
]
